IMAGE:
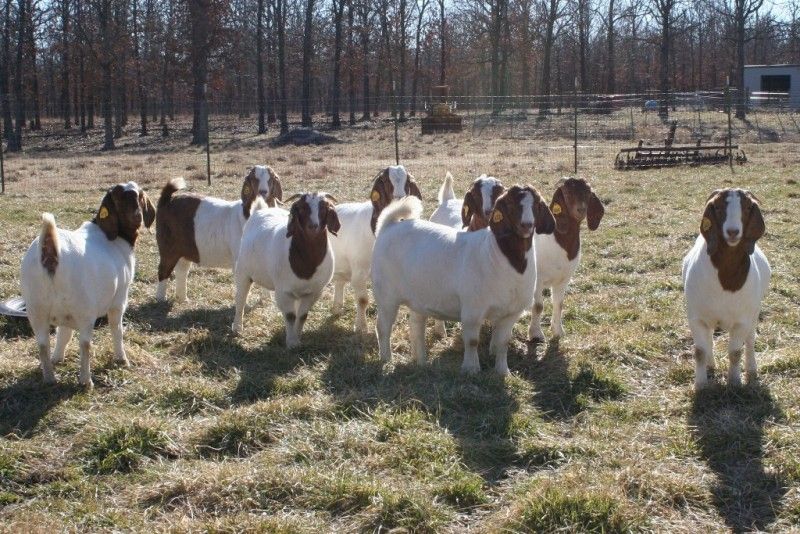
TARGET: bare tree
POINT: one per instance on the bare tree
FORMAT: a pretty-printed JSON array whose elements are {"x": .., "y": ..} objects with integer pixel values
[
  {"x": 739, "y": 13},
  {"x": 262, "y": 125},
  {"x": 139, "y": 79},
  {"x": 200, "y": 29},
  {"x": 15, "y": 140},
  {"x": 442, "y": 44},
  {"x": 664, "y": 13},
  {"x": 308, "y": 54},
  {"x": 65, "y": 112},
  {"x": 336, "y": 91},
  {"x": 280, "y": 25},
  {"x": 552, "y": 11},
  {"x": 422, "y": 5},
  {"x": 5, "y": 71}
]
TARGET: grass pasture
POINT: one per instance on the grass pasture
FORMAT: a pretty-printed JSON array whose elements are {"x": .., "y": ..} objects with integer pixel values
[{"x": 598, "y": 433}]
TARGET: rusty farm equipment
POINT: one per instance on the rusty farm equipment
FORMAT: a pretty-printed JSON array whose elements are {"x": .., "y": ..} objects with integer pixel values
[{"x": 670, "y": 155}]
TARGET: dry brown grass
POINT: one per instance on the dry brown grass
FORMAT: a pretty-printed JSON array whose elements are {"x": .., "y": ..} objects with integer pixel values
[{"x": 600, "y": 432}]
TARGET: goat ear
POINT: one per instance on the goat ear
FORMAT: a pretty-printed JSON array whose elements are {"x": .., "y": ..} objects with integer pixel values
[
  {"x": 107, "y": 217},
  {"x": 332, "y": 220},
  {"x": 557, "y": 207},
  {"x": 499, "y": 217},
  {"x": 544, "y": 221},
  {"x": 275, "y": 189},
  {"x": 754, "y": 228},
  {"x": 380, "y": 196},
  {"x": 148, "y": 211},
  {"x": 291, "y": 227},
  {"x": 249, "y": 192},
  {"x": 469, "y": 208},
  {"x": 709, "y": 228},
  {"x": 594, "y": 212},
  {"x": 413, "y": 188}
]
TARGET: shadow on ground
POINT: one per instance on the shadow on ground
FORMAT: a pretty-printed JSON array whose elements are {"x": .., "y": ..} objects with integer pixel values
[
  {"x": 27, "y": 400},
  {"x": 728, "y": 425}
]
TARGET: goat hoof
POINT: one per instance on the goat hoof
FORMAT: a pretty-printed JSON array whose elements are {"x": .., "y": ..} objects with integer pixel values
[
  {"x": 122, "y": 362},
  {"x": 88, "y": 384},
  {"x": 49, "y": 380},
  {"x": 236, "y": 329},
  {"x": 58, "y": 360},
  {"x": 535, "y": 340}
]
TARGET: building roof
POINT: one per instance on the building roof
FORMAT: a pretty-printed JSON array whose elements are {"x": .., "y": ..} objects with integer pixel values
[{"x": 782, "y": 66}]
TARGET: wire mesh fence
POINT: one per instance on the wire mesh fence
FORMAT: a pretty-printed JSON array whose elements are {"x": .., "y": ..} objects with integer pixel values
[{"x": 552, "y": 134}]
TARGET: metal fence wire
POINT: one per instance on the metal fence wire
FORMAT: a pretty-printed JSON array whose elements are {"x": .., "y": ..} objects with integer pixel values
[{"x": 569, "y": 133}]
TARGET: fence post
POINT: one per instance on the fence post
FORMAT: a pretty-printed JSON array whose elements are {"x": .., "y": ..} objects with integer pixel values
[
  {"x": 633, "y": 130},
  {"x": 575, "y": 128},
  {"x": 396, "y": 136},
  {"x": 730, "y": 126},
  {"x": 208, "y": 139},
  {"x": 2, "y": 166}
]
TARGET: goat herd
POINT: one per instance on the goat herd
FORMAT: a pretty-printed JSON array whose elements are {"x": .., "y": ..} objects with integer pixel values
[{"x": 487, "y": 257}]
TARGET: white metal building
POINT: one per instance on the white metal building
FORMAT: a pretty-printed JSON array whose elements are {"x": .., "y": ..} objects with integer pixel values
[{"x": 762, "y": 82}]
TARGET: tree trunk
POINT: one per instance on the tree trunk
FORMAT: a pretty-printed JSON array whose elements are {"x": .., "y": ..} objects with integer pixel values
[
  {"x": 198, "y": 16},
  {"x": 36, "y": 120},
  {"x": 280, "y": 17},
  {"x": 338, "y": 14},
  {"x": 400, "y": 96},
  {"x": 351, "y": 76},
  {"x": 104, "y": 22},
  {"x": 417, "y": 42},
  {"x": 5, "y": 71},
  {"x": 262, "y": 125},
  {"x": 65, "y": 113},
  {"x": 663, "y": 108},
  {"x": 15, "y": 140},
  {"x": 547, "y": 53},
  {"x": 365, "y": 20},
  {"x": 443, "y": 44},
  {"x": 308, "y": 53},
  {"x": 139, "y": 80},
  {"x": 611, "y": 81},
  {"x": 741, "y": 95}
]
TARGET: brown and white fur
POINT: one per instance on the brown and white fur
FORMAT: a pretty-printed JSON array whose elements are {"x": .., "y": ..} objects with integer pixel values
[
  {"x": 70, "y": 278},
  {"x": 472, "y": 212},
  {"x": 471, "y": 277},
  {"x": 289, "y": 253},
  {"x": 725, "y": 278},
  {"x": 352, "y": 248},
  {"x": 558, "y": 254},
  {"x": 193, "y": 228}
]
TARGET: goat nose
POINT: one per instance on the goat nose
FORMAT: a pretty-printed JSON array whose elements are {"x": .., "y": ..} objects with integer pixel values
[{"x": 732, "y": 232}]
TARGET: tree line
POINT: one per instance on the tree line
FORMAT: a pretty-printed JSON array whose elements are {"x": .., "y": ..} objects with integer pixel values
[{"x": 98, "y": 63}]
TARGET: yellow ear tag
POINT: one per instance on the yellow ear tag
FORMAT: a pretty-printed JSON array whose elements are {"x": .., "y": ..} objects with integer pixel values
[
  {"x": 556, "y": 209},
  {"x": 103, "y": 212},
  {"x": 706, "y": 224},
  {"x": 465, "y": 211},
  {"x": 375, "y": 196},
  {"x": 497, "y": 216},
  {"x": 247, "y": 191}
]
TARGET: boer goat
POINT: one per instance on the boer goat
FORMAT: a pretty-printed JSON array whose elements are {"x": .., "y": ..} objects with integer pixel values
[
  {"x": 725, "y": 278},
  {"x": 469, "y": 277},
  {"x": 352, "y": 248},
  {"x": 192, "y": 228},
  {"x": 558, "y": 254},
  {"x": 70, "y": 278},
  {"x": 290, "y": 253}
]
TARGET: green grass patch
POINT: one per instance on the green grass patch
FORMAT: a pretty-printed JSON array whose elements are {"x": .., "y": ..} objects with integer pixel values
[
  {"x": 572, "y": 511},
  {"x": 124, "y": 448},
  {"x": 236, "y": 434}
]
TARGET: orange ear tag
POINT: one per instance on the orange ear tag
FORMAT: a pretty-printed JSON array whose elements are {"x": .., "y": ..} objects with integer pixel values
[
  {"x": 375, "y": 196},
  {"x": 497, "y": 216},
  {"x": 706, "y": 224},
  {"x": 103, "y": 212},
  {"x": 556, "y": 209}
]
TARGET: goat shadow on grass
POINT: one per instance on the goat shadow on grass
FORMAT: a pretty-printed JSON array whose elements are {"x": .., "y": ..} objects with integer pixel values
[
  {"x": 220, "y": 353},
  {"x": 557, "y": 394},
  {"x": 26, "y": 401},
  {"x": 728, "y": 425},
  {"x": 477, "y": 410},
  {"x": 154, "y": 316}
]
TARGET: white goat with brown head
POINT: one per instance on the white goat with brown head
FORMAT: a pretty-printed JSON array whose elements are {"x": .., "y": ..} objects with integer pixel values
[{"x": 725, "y": 278}]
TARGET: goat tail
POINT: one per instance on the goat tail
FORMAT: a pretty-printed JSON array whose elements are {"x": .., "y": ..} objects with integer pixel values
[
  {"x": 446, "y": 191},
  {"x": 176, "y": 184},
  {"x": 409, "y": 207},
  {"x": 48, "y": 242}
]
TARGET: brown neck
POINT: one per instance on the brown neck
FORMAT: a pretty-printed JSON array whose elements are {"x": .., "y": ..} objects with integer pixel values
[
  {"x": 514, "y": 248},
  {"x": 568, "y": 235},
  {"x": 733, "y": 265},
  {"x": 124, "y": 233},
  {"x": 306, "y": 252}
]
